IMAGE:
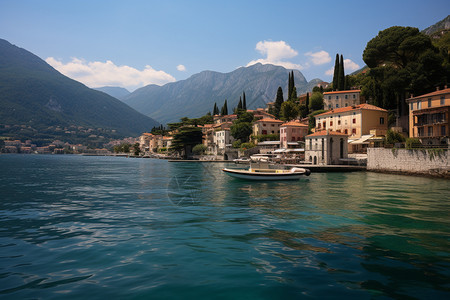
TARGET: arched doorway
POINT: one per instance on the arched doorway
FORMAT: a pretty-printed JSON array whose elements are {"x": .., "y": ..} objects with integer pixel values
[{"x": 315, "y": 160}]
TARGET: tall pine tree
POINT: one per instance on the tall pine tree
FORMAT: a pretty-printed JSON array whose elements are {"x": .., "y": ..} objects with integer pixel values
[
  {"x": 216, "y": 109},
  {"x": 307, "y": 103},
  {"x": 336, "y": 73},
  {"x": 240, "y": 104},
  {"x": 224, "y": 111},
  {"x": 278, "y": 101},
  {"x": 341, "y": 78},
  {"x": 244, "y": 102}
]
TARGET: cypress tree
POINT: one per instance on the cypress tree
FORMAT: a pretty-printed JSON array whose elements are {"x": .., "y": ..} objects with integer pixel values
[
  {"x": 289, "y": 87},
  {"x": 240, "y": 103},
  {"x": 244, "y": 103},
  {"x": 278, "y": 101},
  {"x": 224, "y": 111},
  {"x": 336, "y": 73},
  {"x": 294, "y": 94},
  {"x": 293, "y": 85},
  {"x": 307, "y": 103},
  {"x": 216, "y": 109},
  {"x": 341, "y": 78}
]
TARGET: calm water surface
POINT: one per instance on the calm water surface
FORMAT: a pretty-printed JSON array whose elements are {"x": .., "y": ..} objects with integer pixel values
[{"x": 74, "y": 227}]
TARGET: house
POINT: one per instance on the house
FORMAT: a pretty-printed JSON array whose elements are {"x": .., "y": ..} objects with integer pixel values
[
  {"x": 209, "y": 137},
  {"x": 292, "y": 131},
  {"x": 429, "y": 117},
  {"x": 260, "y": 113},
  {"x": 222, "y": 140},
  {"x": 266, "y": 126},
  {"x": 340, "y": 99},
  {"x": 360, "y": 123},
  {"x": 218, "y": 119},
  {"x": 326, "y": 147}
]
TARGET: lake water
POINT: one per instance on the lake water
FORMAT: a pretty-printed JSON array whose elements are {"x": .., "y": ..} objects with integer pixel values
[{"x": 74, "y": 227}]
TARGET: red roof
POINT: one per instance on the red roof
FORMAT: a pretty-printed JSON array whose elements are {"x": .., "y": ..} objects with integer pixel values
[
  {"x": 342, "y": 92},
  {"x": 435, "y": 93},
  {"x": 294, "y": 123},
  {"x": 350, "y": 108},
  {"x": 326, "y": 132},
  {"x": 269, "y": 120}
]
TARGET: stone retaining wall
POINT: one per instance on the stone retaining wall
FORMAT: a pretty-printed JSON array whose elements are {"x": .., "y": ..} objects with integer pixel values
[{"x": 424, "y": 161}]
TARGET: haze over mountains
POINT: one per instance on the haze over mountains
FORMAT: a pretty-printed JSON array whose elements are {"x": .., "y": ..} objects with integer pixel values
[
  {"x": 196, "y": 95},
  {"x": 36, "y": 96}
]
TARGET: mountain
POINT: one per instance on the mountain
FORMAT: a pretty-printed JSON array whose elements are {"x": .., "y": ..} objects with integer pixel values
[
  {"x": 196, "y": 95},
  {"x": 439, "y": 28},
  {"x": 37, "y": 97},
  {"x": 114, "y": 91}
]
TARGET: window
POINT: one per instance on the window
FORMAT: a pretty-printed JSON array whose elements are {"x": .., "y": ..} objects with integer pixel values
[
  {"x": 354, "y": 120},
  {"x": 429, "y": 102},
  {"x": 337, "y": 97},
  {"x": 339, "y": 122},
  {"x": 346, "y": 96},
  {"x": 346, "y": 131},
  {"x": 331, "y": 123},
  {"x": 329, "y": 97},
  {"x": 430, "y": 131},
  {"x": 329, "y": 106},
  {"x": 354, "y": 131},
  {"x": 338, "y": 130},
  {"x": 442, "y": 100},
  {"x": 419, "y": 105},
  {"x": 324, "y": 125},
  {"x": 319, "y": 125},
  {"x": 354, "y": 96},
  {"x": 411, "y": 106},
  {"x": 443, "y": 131},
  {"x": 264, "y": 132},
  {"x": 381, "y": 120},
  {"x": 337, "y": 105}
]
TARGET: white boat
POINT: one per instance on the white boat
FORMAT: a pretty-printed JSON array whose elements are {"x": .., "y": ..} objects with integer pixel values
[
  {"x": 242, "y": 160},
  {"x": 268, "y": 174}
]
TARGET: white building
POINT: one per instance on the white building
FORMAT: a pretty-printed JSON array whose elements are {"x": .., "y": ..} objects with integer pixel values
[
  {"x": 326, "y": 147},
  {"x": 222, "y": 139}
]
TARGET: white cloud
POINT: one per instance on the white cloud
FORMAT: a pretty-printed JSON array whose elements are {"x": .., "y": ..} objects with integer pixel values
[
  {"x": 181, "y": 68},
  {"x": 319, "y": 58},
  {"x": 330, "y": 71},
  {"x": 276, "y": 53},
  {"x": 97, "y": 74},
  {"x": 349, "y": 65}
]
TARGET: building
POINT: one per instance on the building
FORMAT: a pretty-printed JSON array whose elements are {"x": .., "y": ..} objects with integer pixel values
[
  {"x": 266, "y": 126},
  {"x": 222, "y": 140},
  {"x": 338, "y": 99},
  {"x": 218, "y": 119},
  {"x": 292, "y": 131},
  {"x": 361, "y": 123},
  {"x": 326, "y": 147},
  {"x": 429, "y": 117}
]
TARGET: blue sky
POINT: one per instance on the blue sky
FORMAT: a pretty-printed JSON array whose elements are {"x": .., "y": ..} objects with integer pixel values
[{"x": 134, "y": 43}]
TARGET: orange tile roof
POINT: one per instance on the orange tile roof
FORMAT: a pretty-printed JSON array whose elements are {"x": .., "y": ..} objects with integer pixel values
[
  {"x": 342, "y": 92},
  {"x": 147, "y": 133},
  {"x": 350, "y": 108},
  {"x": 326, "y": 132},
  {"x": 269, "y": 120},
  {"x": 435, "y": 93},
  {"x": 294, "y": 123}
]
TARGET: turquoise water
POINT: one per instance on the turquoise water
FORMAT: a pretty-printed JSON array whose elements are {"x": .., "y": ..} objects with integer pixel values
[{"x": 74, "y": 227}]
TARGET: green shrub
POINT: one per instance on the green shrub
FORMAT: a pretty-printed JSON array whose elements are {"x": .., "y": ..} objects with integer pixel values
[
  {"x": 245, "y": 146},
  {"x": 413, "y": 143},
  {"x": 237, "y": 144},
  {"x": 199, "y": 149},
  {"x": 393, "y": 137}
]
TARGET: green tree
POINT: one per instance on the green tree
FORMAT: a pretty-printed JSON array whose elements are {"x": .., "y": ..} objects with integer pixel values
[
  {"x": 336, "y": 73},
  {"x": 199, "y": 149},
  {"x": 341, "y": 75},
  {"x": 294, "y": 96},
  {"x": 402, "y": 61},
  {"x": 316, "y": 101},
  {"x": 185, "y": 139},
  {"x": 307, "y": 103},
  {"x": 241, "y": 131},
  {"x": 136, "y": 149},
  {"x": 224, "y": 111},
  {"x": 393, "y": 137},
  {"x": 289, "y": 110},
  {"x": 278, "y": 101},
  {"x": 240, "y": 104},
  {"x": 244, "y": 103},
  {"x": 216, "y": 109}
]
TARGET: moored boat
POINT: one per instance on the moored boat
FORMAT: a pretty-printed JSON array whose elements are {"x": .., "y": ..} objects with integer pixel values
[{"x": 268, "y": 174}]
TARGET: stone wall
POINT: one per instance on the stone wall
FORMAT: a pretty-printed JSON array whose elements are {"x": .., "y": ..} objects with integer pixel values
[{"x": 427, "y": 161}]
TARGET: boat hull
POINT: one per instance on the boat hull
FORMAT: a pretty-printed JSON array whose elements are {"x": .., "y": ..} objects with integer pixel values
[{"x": 243, "y": 174}]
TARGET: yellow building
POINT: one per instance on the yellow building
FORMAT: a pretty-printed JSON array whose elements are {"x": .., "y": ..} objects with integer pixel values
[
  {"x": 338, "y": 99},
  {"x": 361, "y": 123},
  {"x": 429, "y": 115},
  {"x": 266, "y": 126}
]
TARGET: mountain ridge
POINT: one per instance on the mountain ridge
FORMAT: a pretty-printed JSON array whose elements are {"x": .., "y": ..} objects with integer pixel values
[
  {"x": 34, "y": 94},
  {"x": 196, "y": 95}
]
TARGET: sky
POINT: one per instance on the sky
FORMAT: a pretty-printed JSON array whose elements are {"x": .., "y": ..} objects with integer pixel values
[{"x": 134, "y": 43}]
